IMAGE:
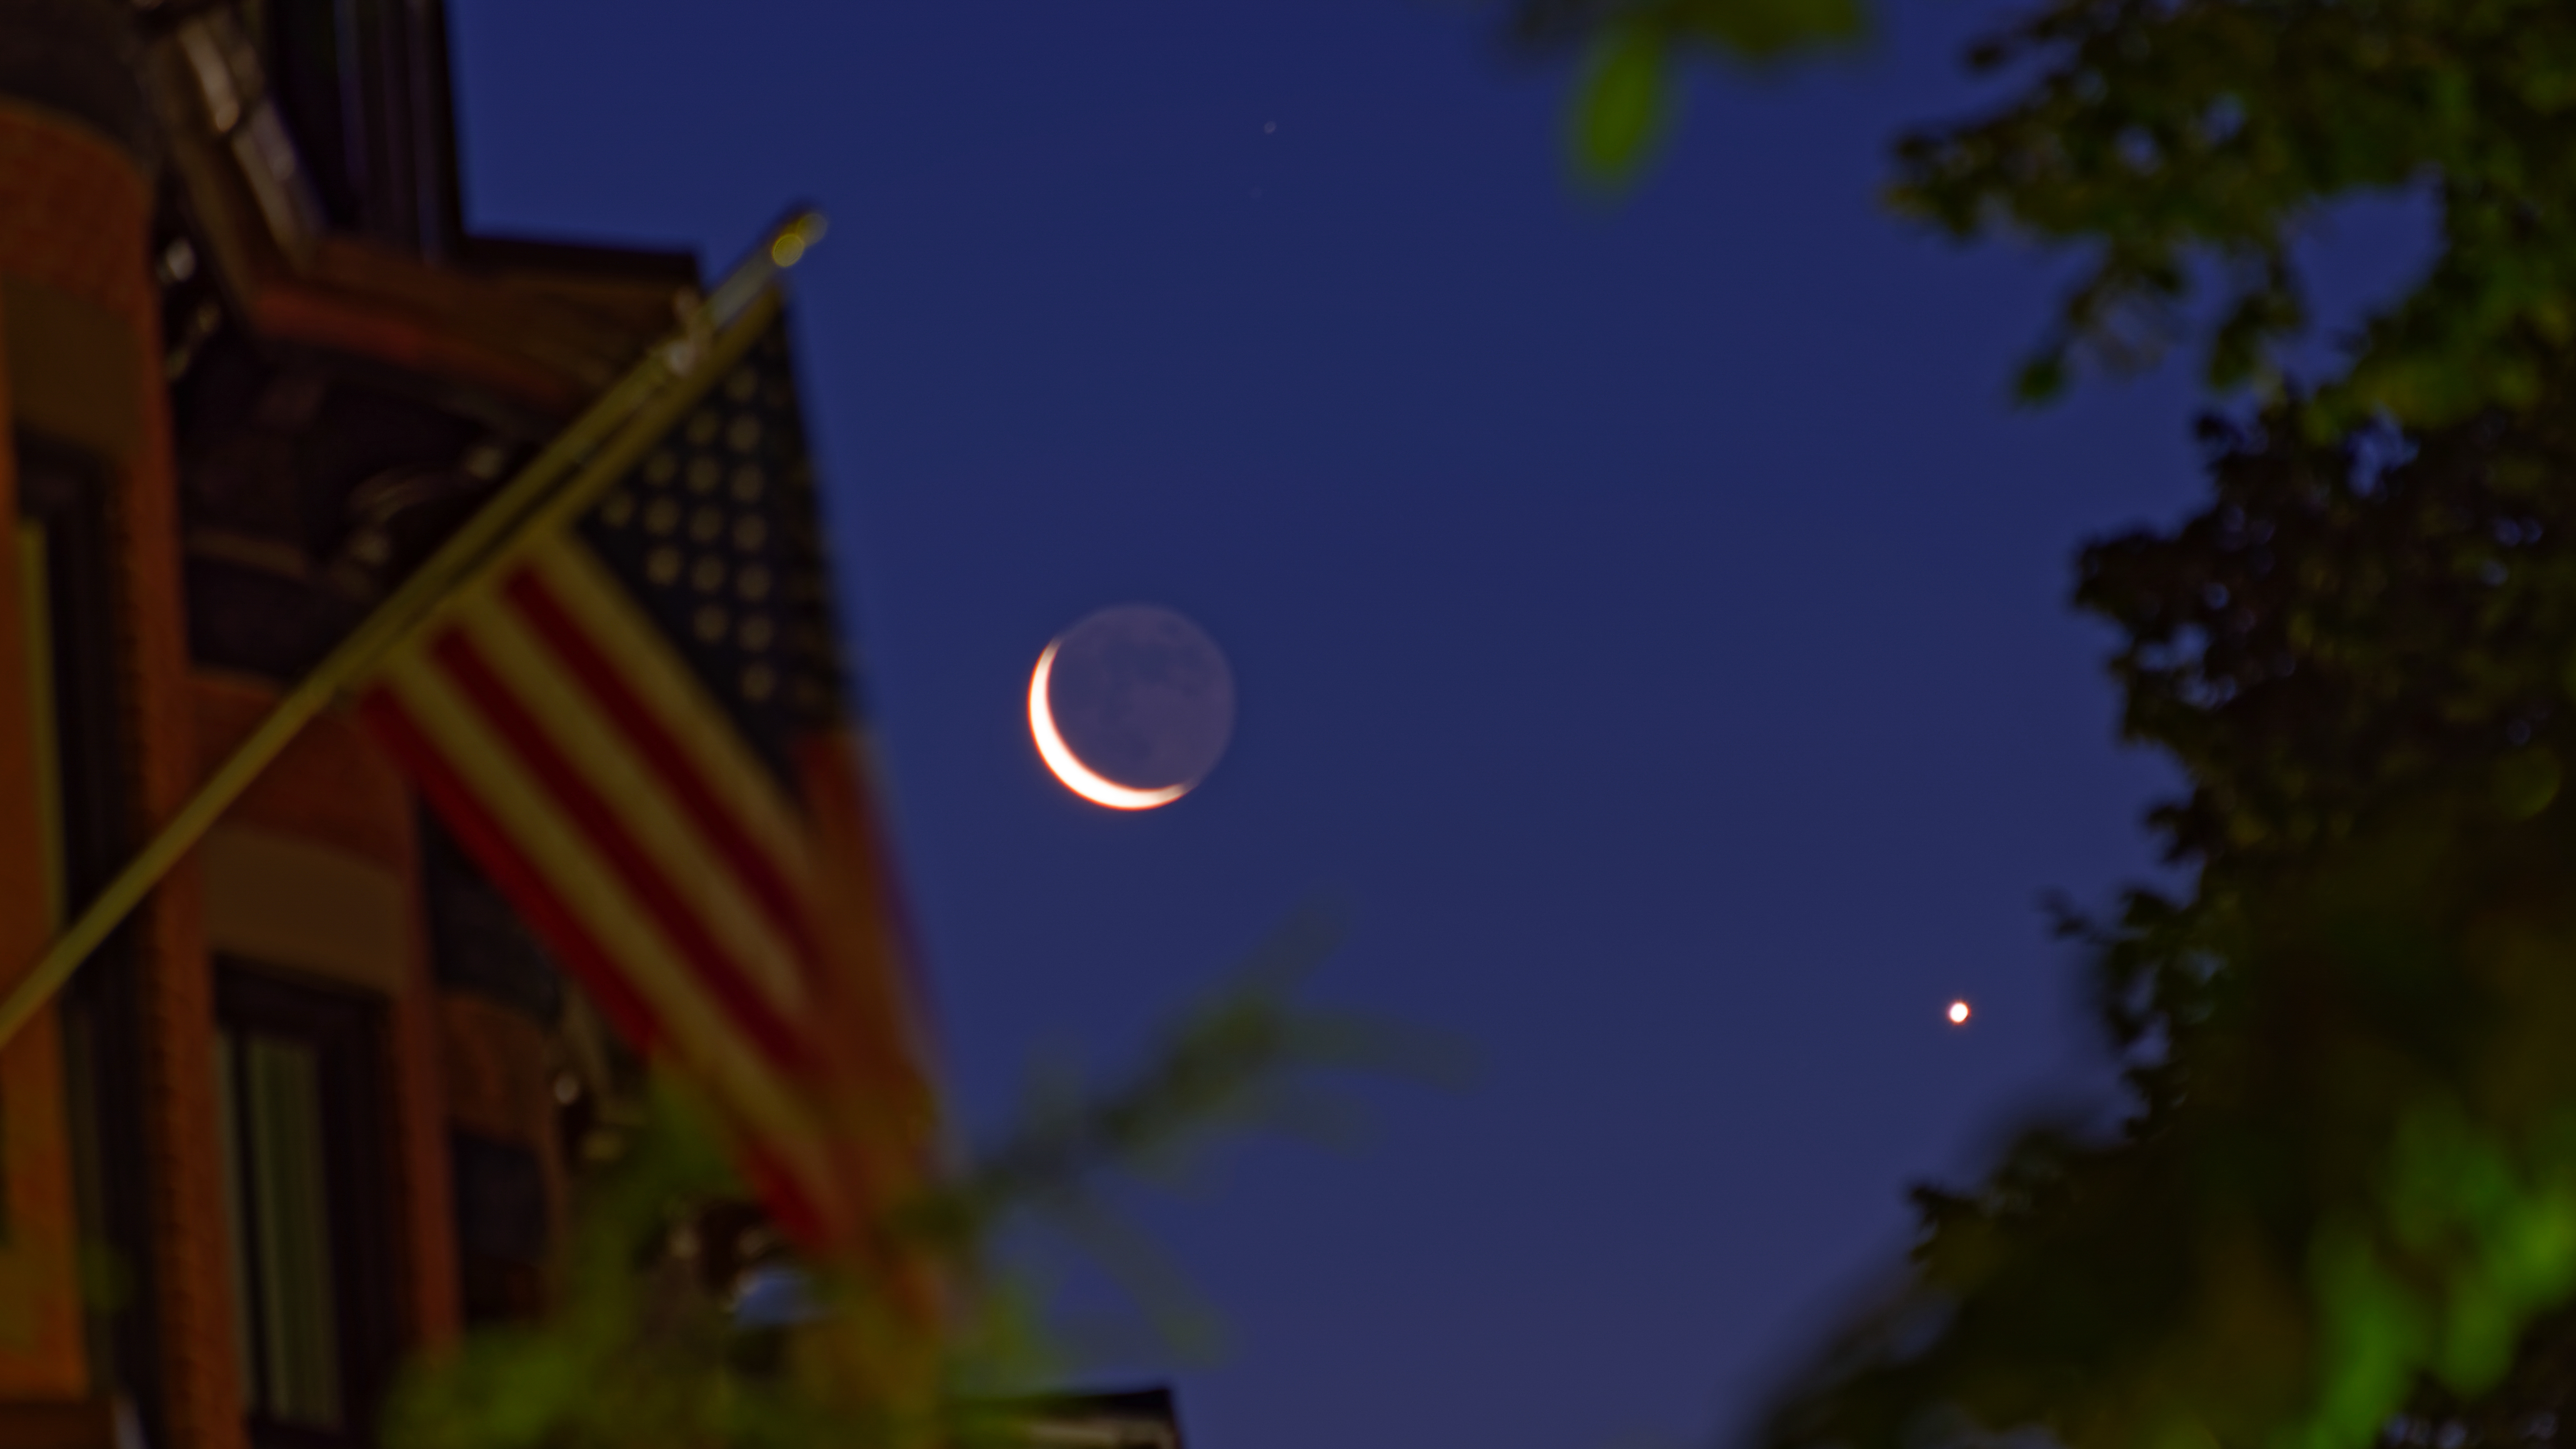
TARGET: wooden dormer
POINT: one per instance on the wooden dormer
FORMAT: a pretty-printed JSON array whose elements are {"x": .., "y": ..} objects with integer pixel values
[
  {"x": 326, "y": 204},
  {"x": 311, "y": 267}
]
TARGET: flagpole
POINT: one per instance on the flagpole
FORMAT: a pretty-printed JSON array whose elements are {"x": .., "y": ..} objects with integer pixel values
[{"x": 597, "y": 448}]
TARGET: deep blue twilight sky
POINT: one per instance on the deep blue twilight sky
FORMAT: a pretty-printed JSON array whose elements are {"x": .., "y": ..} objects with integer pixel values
[{"x": 1648, "y": 622}]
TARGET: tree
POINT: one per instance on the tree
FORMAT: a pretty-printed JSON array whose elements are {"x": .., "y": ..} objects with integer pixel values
[
  {"x": 2345, "y": 1204},
  {"x": 647, "y": 1346},
  {"x": 2348, "y": 1195},
  {"x": 2182, "y": 144}
]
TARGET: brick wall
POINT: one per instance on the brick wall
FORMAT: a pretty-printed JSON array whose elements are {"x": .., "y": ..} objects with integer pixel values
[
  {"x": 40, "y": 1327},
  {"x": 334, "y": 788},
  {"x": 74, "y": 217}
]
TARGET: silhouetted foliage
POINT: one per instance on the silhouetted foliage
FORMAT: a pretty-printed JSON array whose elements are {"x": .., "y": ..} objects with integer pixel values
[
  {"x": 2344, "y": 1207},
  {"x": 2184, "y": 146},
  {"x": 1625, "y": 101},
  {"x": 646, "y": 1346}
]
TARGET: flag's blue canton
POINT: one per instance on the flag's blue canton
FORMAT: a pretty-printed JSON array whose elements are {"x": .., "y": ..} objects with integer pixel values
[{"x": 716, "y": 533}]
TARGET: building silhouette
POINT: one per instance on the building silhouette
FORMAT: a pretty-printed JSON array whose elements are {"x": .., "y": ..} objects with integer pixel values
[{"x": 316, "y": 1104}]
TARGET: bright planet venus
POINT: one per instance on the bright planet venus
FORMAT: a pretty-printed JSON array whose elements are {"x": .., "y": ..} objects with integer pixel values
[{"x": 1131, "y": 707}]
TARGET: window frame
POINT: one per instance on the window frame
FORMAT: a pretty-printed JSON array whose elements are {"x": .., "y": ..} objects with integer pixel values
[
  {"x": 364, "y": 87},
  {"x": 348, "y": 1030},
  {"x": 67, "y": 494}
]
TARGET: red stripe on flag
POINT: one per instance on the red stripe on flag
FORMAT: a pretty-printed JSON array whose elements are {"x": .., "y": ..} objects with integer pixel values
[
  {"x": 751, "y": 864},
  {"x": 464, "y": 664},
  {"x": 513, "y": 873},
  {"x": 836, "y": 766},
  {"x": 790, "y": 1205}
]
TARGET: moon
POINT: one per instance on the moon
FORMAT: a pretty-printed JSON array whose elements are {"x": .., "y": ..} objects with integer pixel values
[{"x": 1131, "y": 707}]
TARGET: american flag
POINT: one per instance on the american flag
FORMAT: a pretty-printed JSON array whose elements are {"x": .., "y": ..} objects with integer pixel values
[{"x": 638, "y": 726}]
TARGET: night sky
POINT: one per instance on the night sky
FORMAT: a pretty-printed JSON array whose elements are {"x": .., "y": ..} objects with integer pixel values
[{"x": 1648, "y": 621}]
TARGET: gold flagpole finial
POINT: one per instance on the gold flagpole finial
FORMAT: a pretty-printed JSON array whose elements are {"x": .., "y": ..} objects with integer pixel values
[{"x": 788, "y": 245}]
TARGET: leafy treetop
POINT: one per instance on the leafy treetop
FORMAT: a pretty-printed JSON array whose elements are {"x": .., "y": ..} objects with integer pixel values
[
  {"x": 2345, "y": 1205},
  {"x": 2183, "y": 146}
]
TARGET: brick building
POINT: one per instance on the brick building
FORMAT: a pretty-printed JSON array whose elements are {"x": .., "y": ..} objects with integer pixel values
[{"x": 314, "y": 1105}]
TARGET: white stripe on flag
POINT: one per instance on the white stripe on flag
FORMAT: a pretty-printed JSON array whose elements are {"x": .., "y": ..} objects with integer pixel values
[
  {"x": 707, "y": 1041},
  {"x": 634, "y": 646},
  {"x": 598, "y": 747}
]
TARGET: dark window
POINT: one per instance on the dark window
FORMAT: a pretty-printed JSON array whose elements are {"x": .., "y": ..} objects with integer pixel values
[
  {"x": 477, "y": 941},
  {"x": 481, "y": 947},
  {"x": 64, "y": 550},
  {"x": 364, "y": 88},
  {"x": 501, "y": 1228},
  {"x": 299, "y": 1082}
]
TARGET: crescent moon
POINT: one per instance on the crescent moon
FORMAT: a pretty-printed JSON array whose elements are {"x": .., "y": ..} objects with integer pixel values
[{"x": 1069, "y": 768}]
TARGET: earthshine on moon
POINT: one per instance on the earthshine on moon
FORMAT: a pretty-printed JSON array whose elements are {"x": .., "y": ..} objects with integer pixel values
[{"x": 1131, "y": 707}]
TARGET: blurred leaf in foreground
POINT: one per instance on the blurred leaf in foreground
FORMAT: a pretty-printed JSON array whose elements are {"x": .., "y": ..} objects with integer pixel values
[{"x": 648, "y": 1348}]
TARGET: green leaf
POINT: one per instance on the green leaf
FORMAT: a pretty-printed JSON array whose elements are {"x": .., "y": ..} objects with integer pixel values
[
  {"x": 1624, "y": 105},
  {"x": 2525, "y": 783},
  {"x": 2042, "y": 379},
  {"x": 1760, "y": 30}
]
